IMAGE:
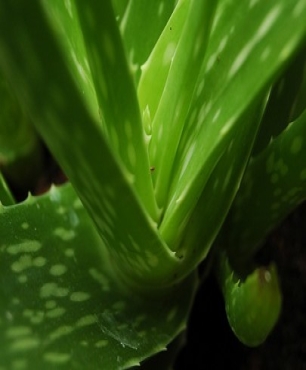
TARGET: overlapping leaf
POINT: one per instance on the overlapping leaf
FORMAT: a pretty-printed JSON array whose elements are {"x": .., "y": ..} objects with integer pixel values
[
  {"x": 96, "y": 171},
  {"x": 183, "y": 60},
  {"x": 137, "y": 20},
  {"x": 243, "y": 58},
  {"x": 276, "y": 178},
  {"x": 62, "y": 305}
]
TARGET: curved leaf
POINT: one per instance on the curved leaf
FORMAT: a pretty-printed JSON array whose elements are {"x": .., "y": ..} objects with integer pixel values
[
  {"x": 249, "y": 46},
  {"x": 273, "y": 185},
  {"x": 252, "y": 302},
  {"x": 63, "y": 305},
  {"x": 137, "y": 20},
  {"x": 105, "y": 187}
]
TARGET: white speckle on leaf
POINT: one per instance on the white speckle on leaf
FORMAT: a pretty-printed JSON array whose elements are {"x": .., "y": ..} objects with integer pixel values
[
  {"x": 252, "y": 3},
  {"x": 228, "y": 125},
  {"x": 287, "y": 49},
  {"x": 23, "y": 263},
  {"x": 265, "y": 54},
  {"x": 86, "y": 321},
  {"x": 216, "y": 115},
  {"x": 171, "y": 315},
  {"x": 39, "y": 261},
  {"x": 58, "y": 270},
  {"x": 100, "y": 278},
  {"x": 101, "y": 343},
  {"x": 131, "y": 154},
  {"x": 169, "y": 53},
  {"x": 18, "y": 331},
  {"x": 200, "y": 88},
  {"x": 53, "y": 290},
  {"x": 79, "y": 296},
  {"x": 263, "y": 29},
  {"x": 303, "y": 174},
  {"x": 50, "y": 304},
  {"x": 268, "y": 22},
  {"x": 64, "y": 234},
  {"x": 56, "y": 357},
  {"x": 187, "y": 158},
  {"x": 211, "y": 61},
  {"x": 161, "y": 9},
  {"x": 24, "y": 344},
  {"x": 152, "y": 259},
  {"x": 22, "y": 279},
  {"x": 69, "y": 252},
  {"x": 28, "y": 246},
  {"x": 298, "y": 8},
  {"x": 222, "y": 44},
  {"x": 55, "y": 312},
  {"x": 60, "y": 332},
  {"x": 296, "y": 145},
  {"x": 68, "y": 7}
]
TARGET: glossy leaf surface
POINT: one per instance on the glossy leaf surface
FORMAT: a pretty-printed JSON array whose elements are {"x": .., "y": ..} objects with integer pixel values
[
  {"x": 101, "y": 180},
  {"x": 239, "y": 67},
  {"x": 252, "y": 301},
  {"x": 63, "y": 305}
]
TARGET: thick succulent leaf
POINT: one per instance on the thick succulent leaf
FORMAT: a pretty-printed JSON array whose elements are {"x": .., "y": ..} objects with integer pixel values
[
  {"x": 218, "y": 193},
  {"x": 139, "y": 32},
  {"x": 17, "y": 136},
  {"x": 283, "y": 105},
  {"x": 117, "y": 101},
  {"x": 249, "y": 46},
  {"x": 62, "y": 118},
  {"x": 178, "y": 91},
  {"x": 300, "y": 102},
  {"x": 62, "y": 305},
  {"x": 20, "y": 148},
  {"x": 273, "y": 185},
  {"x": 120, "y": 7},
  {"x": 150, "y": 88},
  {"x": 6, "y": 197},
  {"x": 116, "y": 95},
  {"x": 63, "y": 18},
  {"x": 252, "y": 302}
]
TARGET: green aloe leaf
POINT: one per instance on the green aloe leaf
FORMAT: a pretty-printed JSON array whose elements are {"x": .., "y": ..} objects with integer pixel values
[
  {"x": 104, "y": 185},
  {"x": 243, "y": 58},
  {"x": 62, "y": 305},
  {"x": 6, "y": 197},
  {"x": 120, "y": 7},
  {"x": 252, "y": 300},
  {"x": 63, "y": 18},
  {"x": 150, "y": 88},
  {"x": 116, "y": 95},
  {"x": 137, "y": 20},
  {"x": 273, "y": 185},
  {"x": 284, "y": 103},
  {"x": 219, "y": 191},
  {"x": 21, "y": 158},
  {"x": 184, "y": 61},
  {"x": 102, "y": 53}
]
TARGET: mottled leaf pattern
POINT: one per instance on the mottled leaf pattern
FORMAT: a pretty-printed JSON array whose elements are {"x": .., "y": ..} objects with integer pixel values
[
  {"x": 103, "y": 184},
  {"x": 276, "y": 178},
  {"x": 138, "y": 16},
  {"x": 243, "y": 57},
  {"x": 151, "y": 109},
  {"x": 62, "y": 305}
]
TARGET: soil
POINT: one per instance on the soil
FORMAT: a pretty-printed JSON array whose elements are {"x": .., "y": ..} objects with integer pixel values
[{"x": 210, "y": 342}]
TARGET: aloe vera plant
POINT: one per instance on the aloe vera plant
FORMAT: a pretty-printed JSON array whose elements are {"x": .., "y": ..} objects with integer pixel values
[{"x": 181, "y": 128}]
